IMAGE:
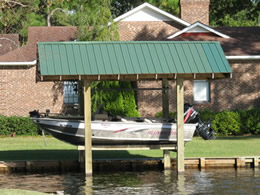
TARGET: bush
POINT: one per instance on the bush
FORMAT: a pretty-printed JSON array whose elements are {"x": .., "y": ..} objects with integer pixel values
[
  {"x": 115, "y": 102},
  {"x": 18, "y": 126},
  {"x": 207, "y": 114},
  {"x": 227, "y": 123},
  {"x": 172, "y": 115},
  {"x": 250, "y": 121}
]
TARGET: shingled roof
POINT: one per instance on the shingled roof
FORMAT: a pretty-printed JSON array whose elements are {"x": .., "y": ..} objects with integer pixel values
[
  {"x": 8, "y": 42},
  {"x": 28, "y": 52},
  {"x": 242, "y": 41}
]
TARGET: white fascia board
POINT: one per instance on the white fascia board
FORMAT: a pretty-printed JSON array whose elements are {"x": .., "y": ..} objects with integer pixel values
[
  {"x": 256, "y": 57},
  {"x": 144, "y": 5},
  {"x": 19, "y": 63},
  {"x": 198, "y": 24}
]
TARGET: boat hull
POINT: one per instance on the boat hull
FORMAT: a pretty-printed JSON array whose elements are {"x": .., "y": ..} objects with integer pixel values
[{"x": 110, "y": 133}]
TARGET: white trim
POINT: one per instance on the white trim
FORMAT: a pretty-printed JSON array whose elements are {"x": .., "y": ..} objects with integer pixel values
[
  {"x": 198, "y": 24},
  {"x": 19, "y": 63},
  {"x": 256, "y": 57},
  {"x": 155, "y": 9}
]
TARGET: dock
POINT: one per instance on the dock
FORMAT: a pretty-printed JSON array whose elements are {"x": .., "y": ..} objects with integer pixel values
[{"x": 139, "y": 164}]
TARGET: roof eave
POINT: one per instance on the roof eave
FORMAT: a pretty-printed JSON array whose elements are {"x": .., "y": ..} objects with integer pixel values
[
  {"x": 138, "y": 77},
  {"x": 30, "y": 63},
  {"x": 251, "y": 57}
]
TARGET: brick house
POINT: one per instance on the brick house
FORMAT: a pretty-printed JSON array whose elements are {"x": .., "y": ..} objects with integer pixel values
[{"x": 20, "y": 91}]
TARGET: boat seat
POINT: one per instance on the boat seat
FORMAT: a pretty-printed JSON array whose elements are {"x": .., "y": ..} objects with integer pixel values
[
  {"x": 102, "y": 117},
  {"x": 147, "y": 120}
]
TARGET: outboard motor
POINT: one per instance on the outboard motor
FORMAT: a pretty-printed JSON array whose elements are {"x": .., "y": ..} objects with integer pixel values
[
  {"x": 35, "y": 114},
  {"x": 204, "y": 128}
]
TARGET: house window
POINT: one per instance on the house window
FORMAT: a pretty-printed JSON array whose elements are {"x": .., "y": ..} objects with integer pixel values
[
  {"x": 201, "y": 91},
  {"x": 70, "y": 92}
]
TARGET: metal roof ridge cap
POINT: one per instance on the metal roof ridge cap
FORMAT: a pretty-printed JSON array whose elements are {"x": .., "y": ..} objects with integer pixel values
[{"x": 126, "y": 42}]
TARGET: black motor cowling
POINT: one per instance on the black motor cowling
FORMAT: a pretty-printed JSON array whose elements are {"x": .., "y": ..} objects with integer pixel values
[
  {"x": 35, "y": 114},
  {"x": 204, "y": 129}
]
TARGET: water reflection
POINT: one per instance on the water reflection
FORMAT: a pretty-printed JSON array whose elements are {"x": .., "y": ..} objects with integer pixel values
[{"x": 217, "y": 181}]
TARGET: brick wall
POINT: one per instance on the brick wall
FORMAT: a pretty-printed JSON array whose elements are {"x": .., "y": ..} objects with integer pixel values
[
  {"x": 20, "y": 93},
  {"x": 195, "y": 10},
  {"x": 242, "y": 91},
  {"x": 140, "y": 31}
]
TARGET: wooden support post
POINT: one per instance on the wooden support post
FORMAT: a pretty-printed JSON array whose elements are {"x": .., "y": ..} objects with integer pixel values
[
  {"x": 180, "y": 125},
  {"x": 165, "y": 98},
  {"x": 81, "y": 97},
  {"x": 167, "y": 159},
  {"x": 240, "y": 162},
  {"x": 87, "y": 118},
  {"x": 202, "y": 163},
  {"x": 256, "y": 162}
]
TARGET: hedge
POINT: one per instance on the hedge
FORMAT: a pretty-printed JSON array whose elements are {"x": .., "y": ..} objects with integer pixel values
[
  {"x": 18, "y": 126},
  {"x": 237, "y": 122}
]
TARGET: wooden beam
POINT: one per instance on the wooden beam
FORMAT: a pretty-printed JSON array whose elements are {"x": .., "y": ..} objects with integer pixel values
[
  {"x": 87, "y": 118},
  {"x": 180, "y": 125},
  {"x": 165, "y": 98},
  {"x": 134, "y": 77}
]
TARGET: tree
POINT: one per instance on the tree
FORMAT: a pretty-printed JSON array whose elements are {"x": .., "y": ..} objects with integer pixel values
[
  {"x": 120, "y": 7},
  {"x": 95, "y": 23},
  {"x": 234, "y": 12},
  {"x": 17, "y": 15}
]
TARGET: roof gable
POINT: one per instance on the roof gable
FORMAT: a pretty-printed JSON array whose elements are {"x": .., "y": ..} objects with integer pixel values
[
  {"x": 148, "y": 12},
  {"x": 198, "y": 27}
]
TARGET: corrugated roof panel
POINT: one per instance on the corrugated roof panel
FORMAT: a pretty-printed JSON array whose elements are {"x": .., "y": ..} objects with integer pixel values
[
  {"x": 169, "y": 58},
  {"x": 155, "y": 59},
  {"x": 91, "y": 67},
  {"x": 144, "y": 57},
  {"x": 204, "y": 59},
  {"x": 113, "y": 59},
  {"x": 195, "y": 54},
  {"x": 64, "y": 59},
  {"x": 140, "y": 56},
  {"x": 210, "y": 57},
  {"x": 191, "y": 61},
  {"x": 84, "y": 58},
  {"x": 178, "y": 61},
  {"x": 78, "y": 59},
  {"x": 134, "y": 58},
  {"x": 164, "y": 65},
  {"x": 127, "y": 59},
  {"x": 224, "y": 66}
]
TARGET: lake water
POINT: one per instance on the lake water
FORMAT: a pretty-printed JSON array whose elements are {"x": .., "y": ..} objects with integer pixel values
[{"x": 193, "y": 181}]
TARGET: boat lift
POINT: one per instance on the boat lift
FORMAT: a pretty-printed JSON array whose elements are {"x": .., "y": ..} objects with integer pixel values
[{"x": 133, "y": 61}]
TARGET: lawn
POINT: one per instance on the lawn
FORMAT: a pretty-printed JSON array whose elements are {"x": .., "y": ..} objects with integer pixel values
[{"x": 34, "y": 148}]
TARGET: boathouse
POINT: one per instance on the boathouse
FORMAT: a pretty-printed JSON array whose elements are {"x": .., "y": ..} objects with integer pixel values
[{"x": 134, "y": 61}]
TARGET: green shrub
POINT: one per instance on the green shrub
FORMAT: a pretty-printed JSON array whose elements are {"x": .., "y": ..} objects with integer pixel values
[
  {"x": 172, "y": 115},
  {"x": 227, "y": 123},
  {"x": 250, "y": 121},
  {"x": 207, "y": 114},
  {"x": 115, "y": 102},
  {"x": 18, "y": 125}
]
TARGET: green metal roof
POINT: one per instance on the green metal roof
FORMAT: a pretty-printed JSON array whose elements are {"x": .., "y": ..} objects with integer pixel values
[{"x": 109, "y": 60}]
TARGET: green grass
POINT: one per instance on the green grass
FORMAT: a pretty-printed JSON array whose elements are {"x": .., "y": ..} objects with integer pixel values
[
  {"x": 34, "y": 148},
  {"x": 19, "y": 192}
]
